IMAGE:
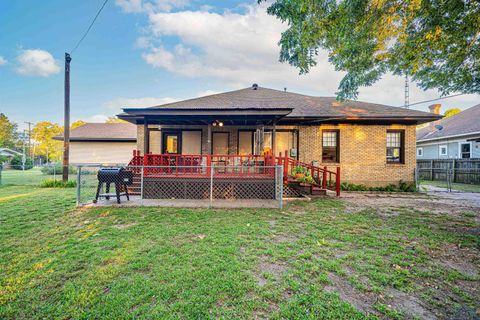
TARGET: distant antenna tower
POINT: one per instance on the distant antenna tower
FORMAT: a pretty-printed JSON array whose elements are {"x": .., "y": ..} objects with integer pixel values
[{"x": 407, "y": 92}]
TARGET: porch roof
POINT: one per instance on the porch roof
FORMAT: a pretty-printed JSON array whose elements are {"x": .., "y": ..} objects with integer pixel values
[{"x": 234, "y": 116}]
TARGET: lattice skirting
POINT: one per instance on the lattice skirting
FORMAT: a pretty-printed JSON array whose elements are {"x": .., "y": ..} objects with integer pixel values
[{"x": 198, "y": 188}]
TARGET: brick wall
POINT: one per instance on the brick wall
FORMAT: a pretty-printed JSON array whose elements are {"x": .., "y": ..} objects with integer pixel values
[{"x": 362, "y": 153}]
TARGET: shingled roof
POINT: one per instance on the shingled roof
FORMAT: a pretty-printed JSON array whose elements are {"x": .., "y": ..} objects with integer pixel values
[
  {"x": 103, "y": 132},
  {"x": 463, "y": 123},
  {"x": 303, "y": 106}
]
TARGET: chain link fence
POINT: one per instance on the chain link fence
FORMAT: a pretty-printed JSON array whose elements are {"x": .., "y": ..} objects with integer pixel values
[
  {"x": 48, "y": 175},
  {"x": 447, "y": 178},
  {"x": 203, "y": 186}
]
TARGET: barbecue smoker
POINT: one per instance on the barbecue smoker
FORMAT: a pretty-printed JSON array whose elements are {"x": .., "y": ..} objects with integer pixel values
[{"x": 118, "y": 176}]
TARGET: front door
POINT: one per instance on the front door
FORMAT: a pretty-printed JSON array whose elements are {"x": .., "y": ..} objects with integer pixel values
[{"x": 171, "y": 143}]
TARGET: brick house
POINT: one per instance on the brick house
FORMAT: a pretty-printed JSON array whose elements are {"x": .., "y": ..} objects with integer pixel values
[{"x": 372, "y": 144}]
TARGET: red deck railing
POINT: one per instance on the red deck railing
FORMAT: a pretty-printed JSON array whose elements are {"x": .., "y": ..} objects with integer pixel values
[
  {"x": 231, "y": 166},
  {"x": 322, "y": 176}
]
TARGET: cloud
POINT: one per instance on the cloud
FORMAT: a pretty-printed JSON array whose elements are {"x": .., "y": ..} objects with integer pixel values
[
  {"x": 237, "y": 49},
  {"x": 36, "y": 62},
  {"x": 137, "y": 6},
  {"x": 207, "y": 93},
  {"x": 97, "y": 118},
  {"x": 119, "y": 103},
  {"x": 2, "y": 61}
]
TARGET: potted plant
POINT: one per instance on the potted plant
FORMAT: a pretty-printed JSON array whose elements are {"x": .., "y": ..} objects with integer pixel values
[{"x": 299, "y": 172}]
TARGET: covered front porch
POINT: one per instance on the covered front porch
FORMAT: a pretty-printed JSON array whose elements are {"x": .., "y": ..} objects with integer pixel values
[{"x": 220, "y": 132}]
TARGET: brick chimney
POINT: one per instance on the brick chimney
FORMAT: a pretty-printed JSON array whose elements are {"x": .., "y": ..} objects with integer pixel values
[{"x": 435, "y": 108}]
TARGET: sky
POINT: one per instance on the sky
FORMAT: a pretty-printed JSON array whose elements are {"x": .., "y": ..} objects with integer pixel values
[{"x": 142, "y": 53}]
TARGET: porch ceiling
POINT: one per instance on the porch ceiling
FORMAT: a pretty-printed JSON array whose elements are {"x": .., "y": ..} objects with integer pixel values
[{"x": 204, "y": 117}]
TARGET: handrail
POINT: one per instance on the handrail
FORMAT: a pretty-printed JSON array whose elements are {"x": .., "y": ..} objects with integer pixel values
[{"x": 324, "y": 178}]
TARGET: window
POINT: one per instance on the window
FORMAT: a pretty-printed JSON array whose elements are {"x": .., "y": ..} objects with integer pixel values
[
  {"x": 443, "y": 150},
  {"x": 285, "y": 140},
  {"x": 245, "y": 142},
  {"x": 395, "y": 146},
  {"x": 465, "y": 150},
  {"x": 330, "y": 146},
  {"x": 220, "y": 143},
  {"x": 419, "y": 152},
  {"x": 191, "y": 142}
]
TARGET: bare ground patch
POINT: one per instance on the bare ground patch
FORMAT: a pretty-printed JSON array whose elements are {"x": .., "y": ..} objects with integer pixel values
[
  {"x": 360, "y": 300},
  {"x": 267, "y": 268},
  {"x": 389, "y": 203}
]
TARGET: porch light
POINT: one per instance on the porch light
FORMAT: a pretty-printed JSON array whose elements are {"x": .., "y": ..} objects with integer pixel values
[{"x": 217, "y": 123}]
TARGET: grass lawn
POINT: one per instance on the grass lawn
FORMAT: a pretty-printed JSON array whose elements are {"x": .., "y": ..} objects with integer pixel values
[
  {"x": 455, "y": 186},
  {"x": 28, "y": 177},
  {"x": 311, "y": 260}
]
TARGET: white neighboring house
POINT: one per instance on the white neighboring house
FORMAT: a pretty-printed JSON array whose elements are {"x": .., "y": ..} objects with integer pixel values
[
  {"x": 102, "y": 143},
  {"x": 9, "y": 153},
  {"x": 455, "y": 137},
  {"x": 5, "y": 152}
]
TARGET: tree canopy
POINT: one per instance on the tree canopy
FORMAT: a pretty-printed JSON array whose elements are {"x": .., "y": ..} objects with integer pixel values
[
  {"x": 451, "y": 112},
  {"x": 43, "y": 133},
  {"x": 8, "y": 132},
  {"x": 435, "y": 42},
  {"x": 115, "y": 119}
]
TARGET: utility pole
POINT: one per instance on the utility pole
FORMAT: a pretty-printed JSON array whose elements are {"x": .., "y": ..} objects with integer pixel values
[
  {"x": 407, "y": 92},
  {"x": 29, "y": 138},
  {"x": 66, "y": 121}
]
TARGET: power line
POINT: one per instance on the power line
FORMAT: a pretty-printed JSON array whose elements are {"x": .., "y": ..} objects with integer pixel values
[
  {"x": 89, "y": 27},
  {"x": 441, "y": 98}
]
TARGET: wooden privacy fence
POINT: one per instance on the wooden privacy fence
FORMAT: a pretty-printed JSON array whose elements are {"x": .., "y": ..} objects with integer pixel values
[{"x": 455, "y": 170}]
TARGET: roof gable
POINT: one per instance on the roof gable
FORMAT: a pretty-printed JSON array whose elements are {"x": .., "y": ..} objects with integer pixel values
[
  {"x": 302, "y": 106},
  {"x": 463, "y": 123},
  {"x": 103, "y": 132}
]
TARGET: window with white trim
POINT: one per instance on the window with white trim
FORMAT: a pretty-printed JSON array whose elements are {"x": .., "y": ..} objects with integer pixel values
[
  {"x": 465, "y": 150},
  {"x": 419, "y": 152},
  {"x": 443, "y": 149}
]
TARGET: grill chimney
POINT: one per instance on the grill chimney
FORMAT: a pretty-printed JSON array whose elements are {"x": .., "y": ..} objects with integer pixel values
[
  {"x": 254, "y": 86},
  {"x": 435, "y": 108}
]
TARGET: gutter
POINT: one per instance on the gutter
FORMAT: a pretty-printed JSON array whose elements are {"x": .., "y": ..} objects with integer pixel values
[{"x": 450, "y": 136}]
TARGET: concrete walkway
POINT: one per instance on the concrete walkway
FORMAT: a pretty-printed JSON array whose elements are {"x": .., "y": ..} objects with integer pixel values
[
  {"x": 136, "y": 201},
  {"x": 472, "y": 198}
]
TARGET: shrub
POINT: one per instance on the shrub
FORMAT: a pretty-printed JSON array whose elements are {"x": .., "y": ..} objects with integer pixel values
[
  {"x": 401, "y": 187},
  {"x": 17, "y": 163},
  {"x": 51, "y": 183},
  {"x": 56, "y": 168}
]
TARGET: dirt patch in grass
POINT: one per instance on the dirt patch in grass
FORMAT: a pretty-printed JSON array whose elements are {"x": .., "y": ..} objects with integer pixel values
[
  {"x": 408, "y": 304},
  {"x": 389, "y": 203},
  {"x": 269, "y": 269},
  {"x": 362, "y": 301},
  {"x": 124, "y": 226}
]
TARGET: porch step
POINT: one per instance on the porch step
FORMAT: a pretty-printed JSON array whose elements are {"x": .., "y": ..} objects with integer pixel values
[{"x": 317, "y": 191}]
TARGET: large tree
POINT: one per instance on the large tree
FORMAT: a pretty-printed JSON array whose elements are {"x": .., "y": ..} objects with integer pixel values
[
  {"x": 435, "y": 42},
  {"x": 8, "y": 132},
  {"x": 43, "y": 133}
]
